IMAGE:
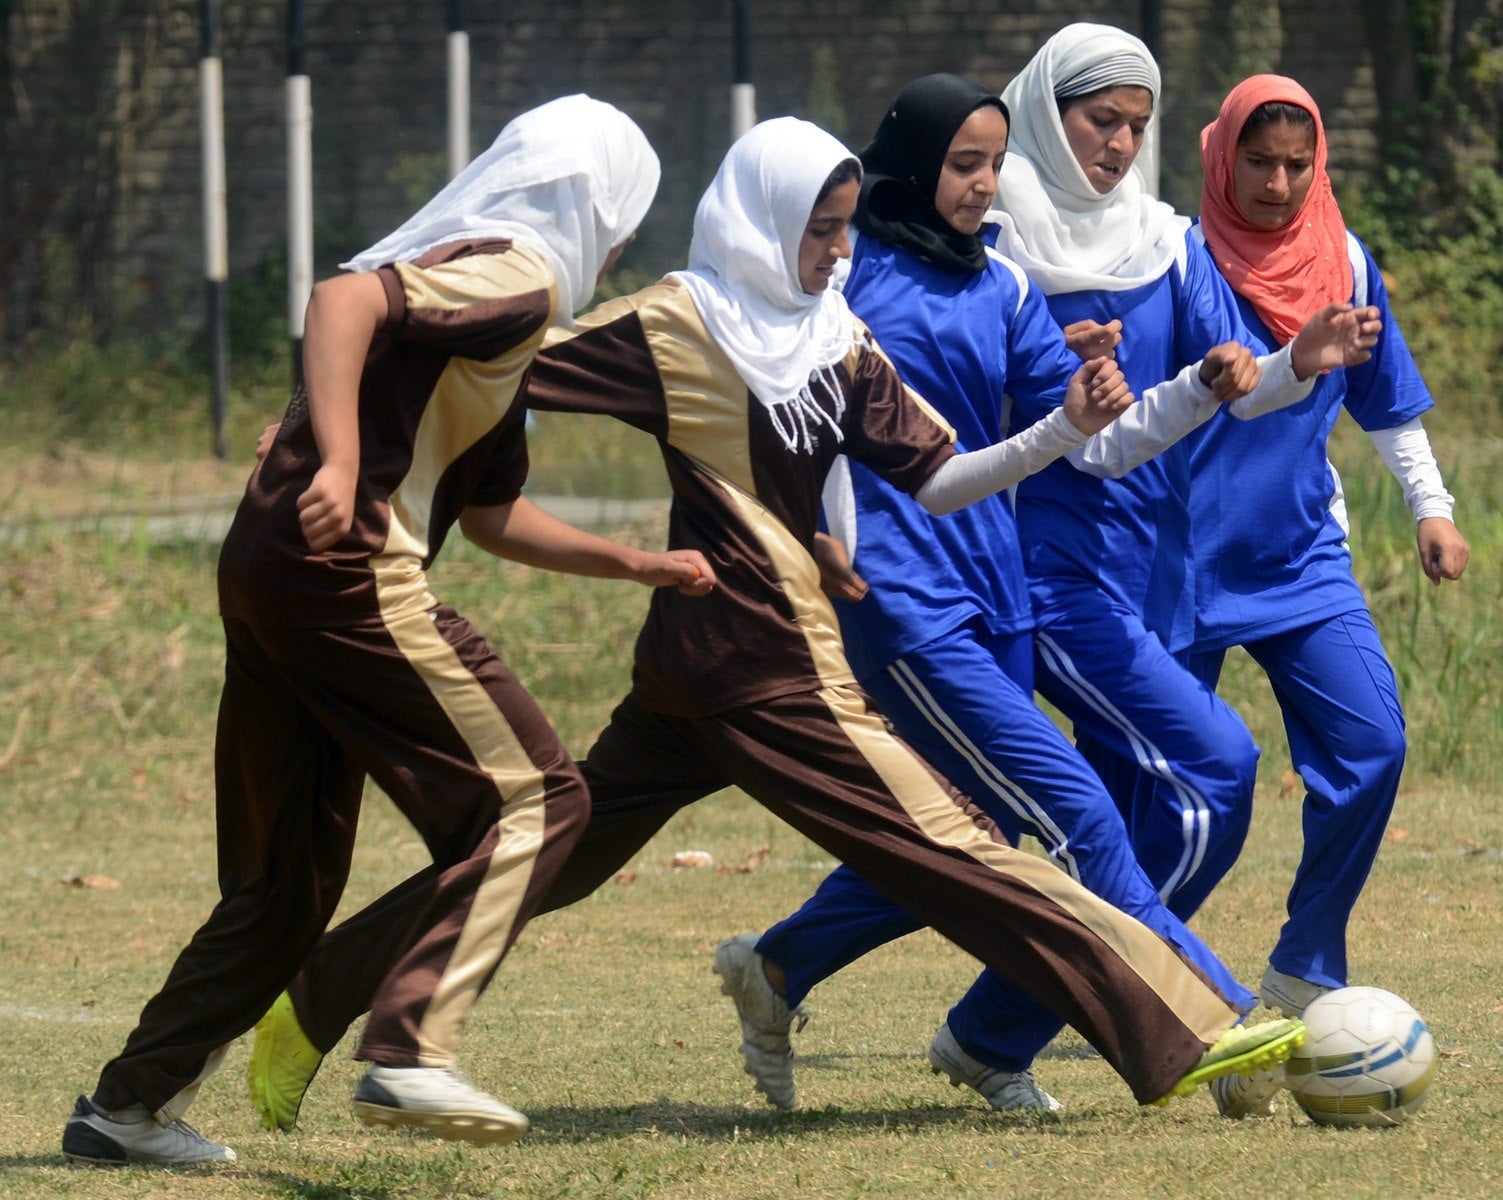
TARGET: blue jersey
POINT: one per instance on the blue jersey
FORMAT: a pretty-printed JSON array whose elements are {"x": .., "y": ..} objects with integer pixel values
[
  {"x": 1129, "y": 537},
  {"x": 1270, "y": 555},
  {"x": 974, "y": 346}
]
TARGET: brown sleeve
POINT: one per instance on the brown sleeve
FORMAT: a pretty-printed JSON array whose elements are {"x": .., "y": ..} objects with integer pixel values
[
  {"x": 890, "y": 428},
  {"x": 607, "y": 369},
  {"x": 505, "y": 471}
]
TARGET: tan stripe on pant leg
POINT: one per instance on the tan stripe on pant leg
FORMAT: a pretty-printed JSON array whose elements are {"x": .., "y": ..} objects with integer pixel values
[
  {"x": 520, "y": 784},
  {"x": 930, "y": 806}
]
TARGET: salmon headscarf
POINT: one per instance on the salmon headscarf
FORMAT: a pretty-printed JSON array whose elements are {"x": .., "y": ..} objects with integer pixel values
[{"x": 1289, "y": 273}]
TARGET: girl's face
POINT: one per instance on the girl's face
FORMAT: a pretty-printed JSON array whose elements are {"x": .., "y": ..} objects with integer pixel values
[
  {"x": 968, "y": 176},
  {"x": 1105, "y": 131},
  {"x": 1272, "y": 173},
  {"x": 825, "y": 241}
]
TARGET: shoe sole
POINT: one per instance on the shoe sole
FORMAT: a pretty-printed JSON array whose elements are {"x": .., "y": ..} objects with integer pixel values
[
  {"x": 174, "y": 1164},
  {"x": 728, "y": 970},
  {"x": 480, "y": 1129},
  {"x": 1266, "y": 1054},
  {"x": 763, "y": 1087},
  {"x": 256, "y": 1072},
  {"x": 956, "y": 1077},
  {"x": 195, "y": 1164}
]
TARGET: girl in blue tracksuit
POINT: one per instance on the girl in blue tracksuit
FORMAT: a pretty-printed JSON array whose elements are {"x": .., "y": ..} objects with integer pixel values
[
  {"x": 1108, "y": 560},
  {"x": 1274, "y": 575},
  {"x": 943, "y": 639}
]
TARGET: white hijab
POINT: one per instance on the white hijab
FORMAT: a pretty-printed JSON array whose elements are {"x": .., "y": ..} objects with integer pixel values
[
  {"x": 743, "y": 272},
  {"x": 571, "y": 179},
  {"x": 1065, "y": 234}
]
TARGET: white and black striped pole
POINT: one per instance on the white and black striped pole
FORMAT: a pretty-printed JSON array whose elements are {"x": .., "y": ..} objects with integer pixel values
[
  {"x": 216, "y": 231},
  {"x": 459, "y": 91},
  {"x": 299, "y": 181},
  {"x": 743, "y": 92}
]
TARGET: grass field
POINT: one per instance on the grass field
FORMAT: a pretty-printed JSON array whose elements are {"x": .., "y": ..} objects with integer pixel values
[{"x": 605, "y": 1025}]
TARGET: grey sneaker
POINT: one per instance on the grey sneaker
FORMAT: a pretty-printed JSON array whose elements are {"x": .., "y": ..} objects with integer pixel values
[
  {"x": 1005, "y": 1091},
  {"x": 1290, "y": 994},
  {"x": 765, "y": 1018},
  {"x": 94, "y": 1136},
  {"x": 437, "y": 1099},
  {"x": 1255, "y": 1095}
]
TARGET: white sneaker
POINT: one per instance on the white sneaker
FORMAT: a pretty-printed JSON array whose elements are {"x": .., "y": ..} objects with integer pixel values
[
  {"x": 133, "y": 1136},
  {"x": 437, "y": 1099},
  {"x": 765, "y": 1018},
  {"x": 1290, "y": 994},
  {"x": 1255, "y": 1095},
  {"x": 1005, "y": 1091}
]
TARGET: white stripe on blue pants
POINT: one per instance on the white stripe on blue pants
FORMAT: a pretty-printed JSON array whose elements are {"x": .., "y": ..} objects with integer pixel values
[{"x": 1189, "y": 760}]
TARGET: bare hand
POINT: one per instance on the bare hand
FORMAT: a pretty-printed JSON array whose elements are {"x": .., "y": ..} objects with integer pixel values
[
  {"x": 1337, "y": 336},
  {"x": 1091, "y": 339},
  {"x": 1230, "y": 370},
  {"x": 1097, "y": 396},
  {"x": 687, "y": 570},
  {"x": 1443, "y": 552},
  {"x": 837, "y": 578},
  {"x": 263, "y": 443},
  {"x": 327, "y": 508}
]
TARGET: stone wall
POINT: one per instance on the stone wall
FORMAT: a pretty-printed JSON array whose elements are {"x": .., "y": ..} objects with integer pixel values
[{"x": 99, "y": 204}]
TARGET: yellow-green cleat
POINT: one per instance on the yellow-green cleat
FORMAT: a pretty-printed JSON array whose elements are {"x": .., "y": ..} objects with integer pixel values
[
  {"x": 282, "y": 1064},
  {"x": 1241, "y": 1050}
]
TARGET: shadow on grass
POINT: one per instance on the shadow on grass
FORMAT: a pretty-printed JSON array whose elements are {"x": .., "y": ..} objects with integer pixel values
[
  {"x": 714, "y": 1123},
  {"x": 835, "y": 1058},
  {"x": 296, "y": 1187},
  {"x": 363, "y": 1173}
]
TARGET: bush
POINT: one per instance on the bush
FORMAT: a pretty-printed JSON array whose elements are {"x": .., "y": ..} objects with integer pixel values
[{"x": 1446, "y": 276}]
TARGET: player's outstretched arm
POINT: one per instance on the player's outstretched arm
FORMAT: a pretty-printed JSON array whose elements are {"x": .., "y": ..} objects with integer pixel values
[
  {"x": 524, "y": 533},
  {"x": 1097, "y": 395}
]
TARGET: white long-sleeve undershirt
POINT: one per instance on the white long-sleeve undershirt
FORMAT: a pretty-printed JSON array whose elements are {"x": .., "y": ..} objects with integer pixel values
[
  {"x": 1165, "y": 413},
  {"x": 1406, "y": 451}
]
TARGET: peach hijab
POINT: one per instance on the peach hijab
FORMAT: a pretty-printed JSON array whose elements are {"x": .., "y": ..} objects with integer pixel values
[{"x": 1288, "y": 273}]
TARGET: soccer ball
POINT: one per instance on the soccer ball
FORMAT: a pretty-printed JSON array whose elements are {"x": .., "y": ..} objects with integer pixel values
[{"x": 1368, "y": 1059}]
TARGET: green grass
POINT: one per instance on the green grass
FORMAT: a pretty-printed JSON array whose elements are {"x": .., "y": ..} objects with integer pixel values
[{"x": 605, "y": 1024}]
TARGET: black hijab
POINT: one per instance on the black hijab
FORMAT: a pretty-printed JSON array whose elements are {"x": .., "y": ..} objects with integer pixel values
[{"x": 902, "y": 166}]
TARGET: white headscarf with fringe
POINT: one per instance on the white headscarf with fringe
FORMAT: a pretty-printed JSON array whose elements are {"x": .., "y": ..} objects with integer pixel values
[
  {"x": 1065, "y": 234},
  {"x": 743, "y": 273},
  {"x": 571, "y": 179}
]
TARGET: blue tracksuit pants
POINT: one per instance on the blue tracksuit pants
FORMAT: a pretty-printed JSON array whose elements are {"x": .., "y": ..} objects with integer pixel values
[
  {"x": 1345, "y": 726},
  {"x": 1177, "y": 758}
]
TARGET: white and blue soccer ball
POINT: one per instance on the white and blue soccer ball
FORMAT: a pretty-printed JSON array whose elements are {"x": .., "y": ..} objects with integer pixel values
[{"x": 1368, "y": 1059}]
